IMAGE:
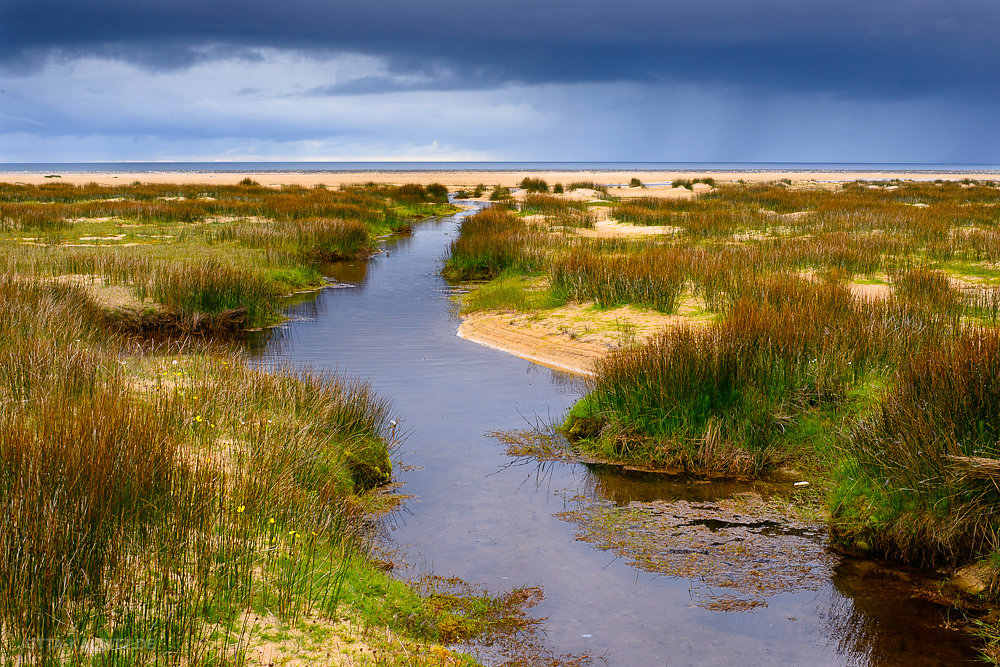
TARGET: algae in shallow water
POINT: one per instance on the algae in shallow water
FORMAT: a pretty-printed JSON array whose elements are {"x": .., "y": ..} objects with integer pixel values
[{"x": 745, "y": 545}]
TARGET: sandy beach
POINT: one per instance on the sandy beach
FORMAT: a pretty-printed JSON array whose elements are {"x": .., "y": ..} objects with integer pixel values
[{"x": 465, "y": 179}]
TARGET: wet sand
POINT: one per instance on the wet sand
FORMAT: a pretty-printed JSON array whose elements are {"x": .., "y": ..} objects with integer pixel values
[{"x": 496, "y": 331}]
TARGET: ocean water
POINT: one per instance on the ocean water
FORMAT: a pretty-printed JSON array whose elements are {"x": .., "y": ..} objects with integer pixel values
[{"x": 379, "y": 167}]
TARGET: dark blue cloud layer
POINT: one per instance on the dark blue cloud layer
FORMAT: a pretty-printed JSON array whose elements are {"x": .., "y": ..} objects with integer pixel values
[{"x": 894, "y": 49}]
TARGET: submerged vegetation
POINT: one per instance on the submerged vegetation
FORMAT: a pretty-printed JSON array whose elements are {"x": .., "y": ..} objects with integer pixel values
[
  {"x": 853, "y": 339},
  {"x": 164, "y": 501}
]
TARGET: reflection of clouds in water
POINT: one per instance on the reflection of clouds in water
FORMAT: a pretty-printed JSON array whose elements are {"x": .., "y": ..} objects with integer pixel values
[
  {"x": 304, "y": 306},
  {"x": 402, "y": 240},
  {"x": 258, "y": 342}
]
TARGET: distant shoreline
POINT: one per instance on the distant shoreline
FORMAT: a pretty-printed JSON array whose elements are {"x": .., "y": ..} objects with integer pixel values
[
  {"x": 637, "y": 170},
  {"x": 493, "y": 167},
  {"x": 465, "y": 178},
  {"x": 700, "y": 172}
]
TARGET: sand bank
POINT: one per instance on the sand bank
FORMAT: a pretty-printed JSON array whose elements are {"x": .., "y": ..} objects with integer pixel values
[
  {"x": 499, "y": 332},
  {"x": 573, "y": 337}
]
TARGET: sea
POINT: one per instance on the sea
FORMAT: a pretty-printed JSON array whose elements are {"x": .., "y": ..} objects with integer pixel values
[{"x": 381, "y": 167}]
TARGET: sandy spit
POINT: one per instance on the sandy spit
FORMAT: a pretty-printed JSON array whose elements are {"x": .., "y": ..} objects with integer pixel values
[
  {"x": 495, "y": 331},
  {"x": 573, "y": 337}
]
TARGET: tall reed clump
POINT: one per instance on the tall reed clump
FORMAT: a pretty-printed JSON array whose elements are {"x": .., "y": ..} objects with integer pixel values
[
  {"x": 326, "y": 239},
  {"x": 645, "y": 211},
  {"x": 727, "y": 399},
  {"x": 693, "y": 216},
  {"x": 921, "y": 471},
  {"x": 492, "y": 241},
  {"x": 309, "y": 239},
  {"x": 928, "y": 290},
  {"x": 587, "y": 185},
  {"x": 500, "y": 193},
  {"x": 646, "y": 278},
  {"x": 211, "y": 291},
  {"x": 411, "y": 193},
  {"x": 81, "y": 479},
  {"x": 534, "y": 185},
  {"x": 985, "y": 304},
  {"x": 550, "y": 205}
]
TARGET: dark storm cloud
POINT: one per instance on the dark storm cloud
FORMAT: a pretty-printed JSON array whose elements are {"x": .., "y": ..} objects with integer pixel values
[{"x": 896, "y": 49}]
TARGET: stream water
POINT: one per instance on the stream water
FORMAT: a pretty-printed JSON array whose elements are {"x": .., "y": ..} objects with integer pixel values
[{"x": 479, "y": 515}]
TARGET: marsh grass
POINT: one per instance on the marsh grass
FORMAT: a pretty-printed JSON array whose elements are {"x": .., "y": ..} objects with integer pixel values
[
  {"x": 587, "y": 185},
  {"x": 648, "y": 279},
  {"x": 882, "y": 393},
  {"x": 560, "y": 212},
  {"x": 492, "y": 241},
  {"x": 147, "y": 502},
  {"x": 985, "y": 305},
  {"x": 512, "y": 292},
  {"x": 500, "y": 193},
  {"x": 919, "y": 480},
  {"x": 721, "y": 399},
  {"x": 212, "y": 257},
  {"x": 534, "y": 185},
  {"x": 550, "y": 205}
]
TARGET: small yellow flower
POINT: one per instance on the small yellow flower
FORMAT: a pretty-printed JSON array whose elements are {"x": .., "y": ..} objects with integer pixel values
[
  {"x": 199, "y": 419},
  {"x": 240, "y": 509},
  {"x": 271, "y": 521}
]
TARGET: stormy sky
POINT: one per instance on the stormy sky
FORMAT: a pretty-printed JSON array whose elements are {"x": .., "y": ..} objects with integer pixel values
[{"x": 644, "y": 80}]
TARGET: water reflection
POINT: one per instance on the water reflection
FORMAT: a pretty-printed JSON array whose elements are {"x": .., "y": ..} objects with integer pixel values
[
  {"x": 875, "y": 617},
  {"x": 625, "y": 486},
  {"x": 353, "y": 272}
]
